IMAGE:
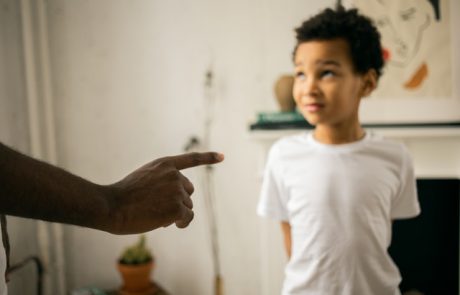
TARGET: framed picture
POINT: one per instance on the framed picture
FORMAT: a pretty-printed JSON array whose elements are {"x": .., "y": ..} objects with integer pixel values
[{"x": 421, "y": 78}]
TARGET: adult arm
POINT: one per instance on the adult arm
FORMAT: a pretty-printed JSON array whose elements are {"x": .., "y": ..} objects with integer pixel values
[
  {"x": 155, "y": 195},
  {"x": 286, "y": 229}
]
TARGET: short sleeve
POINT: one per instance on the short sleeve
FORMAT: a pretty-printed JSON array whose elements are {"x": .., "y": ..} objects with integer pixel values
[
  {"x": 406, "y": 204},
  {"x": 273, "y": 195}
]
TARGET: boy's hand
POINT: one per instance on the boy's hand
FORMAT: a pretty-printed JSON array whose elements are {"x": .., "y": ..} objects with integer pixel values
[{"x": 156, "y": 194}]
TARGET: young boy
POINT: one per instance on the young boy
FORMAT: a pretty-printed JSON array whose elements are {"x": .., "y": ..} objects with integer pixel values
[{"x": 337, "y": 189}]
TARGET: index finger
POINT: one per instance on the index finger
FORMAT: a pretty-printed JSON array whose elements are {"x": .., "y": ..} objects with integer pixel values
[{"x": 189, "y": 160}]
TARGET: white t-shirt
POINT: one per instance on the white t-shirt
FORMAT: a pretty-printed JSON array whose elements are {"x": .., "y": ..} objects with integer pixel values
[
  {"x": 3, "y": 289},
  {"x": 340, "y": 201}
]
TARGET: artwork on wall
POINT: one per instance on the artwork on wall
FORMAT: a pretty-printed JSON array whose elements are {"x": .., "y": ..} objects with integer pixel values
[{"x": 421, "y": 74}]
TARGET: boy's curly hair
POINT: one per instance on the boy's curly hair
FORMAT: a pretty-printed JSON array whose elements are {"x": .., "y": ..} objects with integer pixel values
[{"x": 358, "y": 30}]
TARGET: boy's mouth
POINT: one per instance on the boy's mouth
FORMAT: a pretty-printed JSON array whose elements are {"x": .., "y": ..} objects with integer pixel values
[{"x": 313, "y": 107}]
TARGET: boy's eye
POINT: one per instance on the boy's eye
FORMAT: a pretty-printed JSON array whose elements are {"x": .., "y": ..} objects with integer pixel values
[
  {"x": 327, "y": 74},
  {"x": 300, "y": 75}
]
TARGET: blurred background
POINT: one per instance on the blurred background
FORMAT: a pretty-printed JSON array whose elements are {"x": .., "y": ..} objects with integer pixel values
[{"x": 101, "y": 87}]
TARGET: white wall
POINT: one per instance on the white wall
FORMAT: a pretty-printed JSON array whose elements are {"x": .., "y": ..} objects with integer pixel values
[
  {"x": 128, "y": 83},
  {"x": 14, "y": 132}
]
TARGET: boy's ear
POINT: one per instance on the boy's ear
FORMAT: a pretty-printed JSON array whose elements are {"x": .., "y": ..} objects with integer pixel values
[{"x": 370, "y": 82}]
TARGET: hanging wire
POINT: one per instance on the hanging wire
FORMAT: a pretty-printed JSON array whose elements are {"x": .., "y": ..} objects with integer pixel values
[{"x": 208, "y": 183}]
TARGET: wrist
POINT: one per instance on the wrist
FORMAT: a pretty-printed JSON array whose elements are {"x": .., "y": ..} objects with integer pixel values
[{"x": 104, "y": 217}]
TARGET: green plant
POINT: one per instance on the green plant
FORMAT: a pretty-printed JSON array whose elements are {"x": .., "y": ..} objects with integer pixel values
[{"x": 136, "y": 254}]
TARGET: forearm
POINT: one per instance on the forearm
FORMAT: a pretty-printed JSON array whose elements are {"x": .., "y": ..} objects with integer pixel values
[
  {"x": 154, "y": 195},
  {"x": 286, "y": 229},
  {"x": 33, "y": 189}
]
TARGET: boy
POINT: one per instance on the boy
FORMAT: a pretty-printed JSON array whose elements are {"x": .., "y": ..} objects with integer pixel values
[{"x": 337, "y": 189}]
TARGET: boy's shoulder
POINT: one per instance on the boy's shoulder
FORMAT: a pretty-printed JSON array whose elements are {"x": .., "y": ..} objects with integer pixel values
[
  {"x": 385, "y": 143},
  {"x": 291, "y": 148},
  {"x": 388, "y": 149},
  {"x": 288, "y": 144}
]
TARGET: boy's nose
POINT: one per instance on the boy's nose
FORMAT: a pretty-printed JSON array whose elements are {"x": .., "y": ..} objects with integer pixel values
[{"x": 310, "y": 87}]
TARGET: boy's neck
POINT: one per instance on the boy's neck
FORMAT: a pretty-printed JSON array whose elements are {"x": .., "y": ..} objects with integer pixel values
[{"x": 338, "y": 134}]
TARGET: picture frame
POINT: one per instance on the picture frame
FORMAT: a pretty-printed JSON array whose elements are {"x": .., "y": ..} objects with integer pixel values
[{"x": 421, "y": 78}]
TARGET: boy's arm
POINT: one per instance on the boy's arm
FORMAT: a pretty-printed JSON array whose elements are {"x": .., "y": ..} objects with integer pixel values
[
  {"x": 152, "y": 196},
  {"x": 286, "y": 228}
]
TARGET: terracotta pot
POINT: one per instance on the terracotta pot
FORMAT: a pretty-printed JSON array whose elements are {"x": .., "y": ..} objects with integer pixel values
[
  {"x": 283, "y": 91},
  {"x": 136, "y": 278}
]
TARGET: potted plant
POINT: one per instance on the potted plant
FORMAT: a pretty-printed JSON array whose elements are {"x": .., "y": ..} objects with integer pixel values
[{"x": 135, "y": 266}]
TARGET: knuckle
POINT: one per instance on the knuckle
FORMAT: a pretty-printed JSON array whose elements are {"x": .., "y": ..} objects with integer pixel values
[
  {"x": 190, "y": 203},
  {"x": 163, "y": 163},
  {"x": 173, "y": 175},
  {"x": 159, "y": 161},
  {"x": 177, "y": 209},
  {"x": 185, "y": 221}
]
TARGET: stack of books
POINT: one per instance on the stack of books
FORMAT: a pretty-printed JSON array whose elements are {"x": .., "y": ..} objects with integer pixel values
[{"x": 280, "y": 120}]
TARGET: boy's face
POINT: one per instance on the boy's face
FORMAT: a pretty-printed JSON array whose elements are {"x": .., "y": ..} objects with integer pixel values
[{"x": 326, "y": 89}]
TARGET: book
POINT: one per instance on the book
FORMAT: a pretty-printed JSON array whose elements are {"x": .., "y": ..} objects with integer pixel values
[
  {"x": 279, "y": 117},
  {"x": 280, "y": 120}
]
